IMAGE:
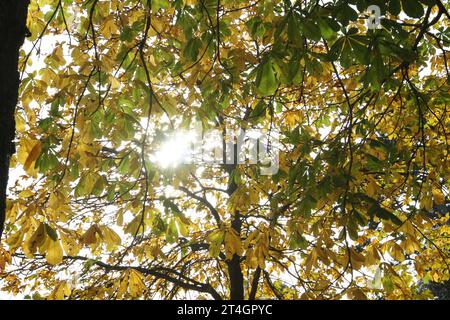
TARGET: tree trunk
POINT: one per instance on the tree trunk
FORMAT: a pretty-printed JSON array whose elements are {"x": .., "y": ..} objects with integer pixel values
[
  {"x": 234, "y": 266},
  {"x": 13, "y": 16}
]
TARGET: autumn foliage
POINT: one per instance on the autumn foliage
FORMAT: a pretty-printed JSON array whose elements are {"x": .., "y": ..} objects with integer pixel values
[{"x": 359, "y": 206}]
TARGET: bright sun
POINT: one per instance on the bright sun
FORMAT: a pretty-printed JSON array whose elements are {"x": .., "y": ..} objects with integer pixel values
[{"x": 174, "y": 151}]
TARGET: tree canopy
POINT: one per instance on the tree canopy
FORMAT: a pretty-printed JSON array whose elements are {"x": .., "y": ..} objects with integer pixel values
[{"x": 358, "y": 208}]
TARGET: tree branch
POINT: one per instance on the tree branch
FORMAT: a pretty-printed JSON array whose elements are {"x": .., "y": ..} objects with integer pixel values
[{"x": 189, "y": 284}]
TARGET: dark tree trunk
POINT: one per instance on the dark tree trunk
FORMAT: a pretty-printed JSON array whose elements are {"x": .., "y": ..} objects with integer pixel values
[
  {"x": 13, "y": 16},
  {"x": 236, "y": 279},
  {"x": 234, "y": 266}
]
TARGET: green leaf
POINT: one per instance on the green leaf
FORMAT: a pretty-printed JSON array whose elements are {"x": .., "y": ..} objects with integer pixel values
[
  {"x": 127, "y": 34},
  {"x": 413, "y": 8},
  {"x": 311, "y": 31},
  {"x": 259, "y": 111},
  {"x": 293, "y": 30},
  {"x": 51, "y": 232},
  {"x": 192, "y": 49},
  {"x": 388, "y": 284},
  {"x": 158, "y": 4},
  {"x": 297, "y": 241},
  {"x": 266, "y": 81},
  {"x": 335, "y": 50},
  {"x": 171, "y": 206},
  {"x": 172, "y": 231},
  {"x": 346, "y": 13},
  {"x": 305, "y": 206},
  {"x": 124, "y": 165},
  {"x": 47, "y": 161},
  {"x": 325, "y": 29},
  {"x": 382, "y": 213},
  {"x": 394, "y": 7},
  {"x": 54, "y": 109}
]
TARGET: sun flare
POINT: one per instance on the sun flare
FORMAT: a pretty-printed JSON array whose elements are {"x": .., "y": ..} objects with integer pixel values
[{"x": 174, "y": 151}]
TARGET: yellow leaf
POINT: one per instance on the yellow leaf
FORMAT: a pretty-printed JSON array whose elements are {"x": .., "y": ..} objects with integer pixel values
[
  {"x": 438, "y": 196},
  {"x": 55, "y": 200},
  {"x": 372, "y": 188},
  {"x": 89, "y": 237},
  {"x": 70, "y": 244},
  {"x": 136, "y": 283},
  {"x": 396, "y": 251},
  {"x": 190, "y": 2},
  {"x": 372, "y": 256},
  {"x": 357, "y": 294},
  {"x": 215, "y": 239},
  {"x": 110, "y": 236},
  {"x": 426, "y": 203},
  {"x": 54, "y": 252},
  {"x": 233, "y": 244},
  {"x": 109, "y": 27},
  {"x": 251, "y": 258},
  {"x": 37, "y": 239},
  {"x": 310, "y": 261},
  {"x": 20, "y": 123},
  {"x": 115, "y": 84},
  {"x": 5, "y": 258},
  {"x": 15, "y": 240},
  {"x": 357, "y": 259},
  {"x": 58, "y": 55},
  {"x": 26, "y": 193},
  {"x": 135, "y": 226},
  {"x": 122, "y": 286},
  {"x": 61, "y": 291},
  {"x": 33, "y": 155}
]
